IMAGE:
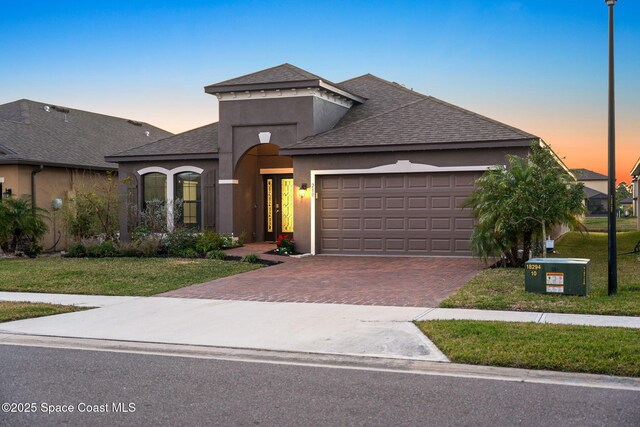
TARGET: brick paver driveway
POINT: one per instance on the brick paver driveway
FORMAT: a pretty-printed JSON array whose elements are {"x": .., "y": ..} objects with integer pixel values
[{"x": 396, "y": 281}]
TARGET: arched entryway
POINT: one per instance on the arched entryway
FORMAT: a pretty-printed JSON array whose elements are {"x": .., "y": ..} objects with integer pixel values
[{"x": 264, "y": 194}]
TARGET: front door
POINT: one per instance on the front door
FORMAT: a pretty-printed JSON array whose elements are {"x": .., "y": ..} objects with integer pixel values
[{"x": 278, "y": 203}]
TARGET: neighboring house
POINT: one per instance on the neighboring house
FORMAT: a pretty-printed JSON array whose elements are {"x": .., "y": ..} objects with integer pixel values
[
  {"x": 365, "y": 166},
  {"x": 596, "y": 190},
  {"x": 635, "y": 175},
  {"x": 48, "y": 152}
]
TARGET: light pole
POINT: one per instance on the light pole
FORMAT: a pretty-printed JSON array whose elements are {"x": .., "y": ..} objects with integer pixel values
[{"x": 613, "y": 262}]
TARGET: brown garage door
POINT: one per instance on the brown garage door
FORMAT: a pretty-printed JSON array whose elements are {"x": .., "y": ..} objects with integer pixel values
[{"x": 395, "y": 214}]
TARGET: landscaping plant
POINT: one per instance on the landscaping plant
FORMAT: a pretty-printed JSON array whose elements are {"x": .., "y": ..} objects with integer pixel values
[
  {"x": 21, "y": 225},
  {"x": 285, "y": 245},
  {"x": 514, "y": 205}
]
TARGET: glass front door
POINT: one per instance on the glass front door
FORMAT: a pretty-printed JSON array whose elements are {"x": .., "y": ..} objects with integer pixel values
[{"x": 278, "y": 203}]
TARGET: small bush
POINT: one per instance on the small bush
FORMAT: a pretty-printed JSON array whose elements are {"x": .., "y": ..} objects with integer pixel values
[
  {"x": 229, "y": 241},
  {"x": 128, "y": 249},
  {"x": 77, "y": 251},
  {"x": 209, "y": 241},
  {"x": 149, "y": 247},
  {"x": 285, "y": 244},
  {"x": 179, "y": 241},
  {"x": 188, "y": 253},
  {"x": 218, "y": 254},
  {"x": 103, "y": 250},
  {"x": 251, "y": 258}
]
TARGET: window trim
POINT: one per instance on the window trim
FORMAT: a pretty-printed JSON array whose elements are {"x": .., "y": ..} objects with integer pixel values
[{"x": 170, "y": 173}]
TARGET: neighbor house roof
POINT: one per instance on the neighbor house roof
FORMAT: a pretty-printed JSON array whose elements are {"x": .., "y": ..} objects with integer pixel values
[
  {"x": 394, "y": 116},
  {"x": 38, "y": 133},
  {"x": 588, "y": 175},
  {"x": 636, "y": 168},
  {"x": 201, "y": 142},
  {"x": 590, "y": 193}
]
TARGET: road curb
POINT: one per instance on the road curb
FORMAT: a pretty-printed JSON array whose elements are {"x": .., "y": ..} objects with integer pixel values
[{"x": 399, "y": 366}]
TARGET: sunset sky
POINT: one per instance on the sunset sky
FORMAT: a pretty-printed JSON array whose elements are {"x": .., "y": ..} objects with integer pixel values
[{"x": 537, "y": 65}]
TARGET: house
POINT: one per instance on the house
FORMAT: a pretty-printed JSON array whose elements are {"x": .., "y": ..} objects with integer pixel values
[
  {"x": 595, "y": 190},
  {"x": 47, "y": 152},
  {"x": 364, "y": 166},
  {"x": 635, "y": 175}
]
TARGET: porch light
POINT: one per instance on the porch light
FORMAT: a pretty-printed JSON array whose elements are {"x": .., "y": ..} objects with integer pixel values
[{"x": 303, "y": 190}]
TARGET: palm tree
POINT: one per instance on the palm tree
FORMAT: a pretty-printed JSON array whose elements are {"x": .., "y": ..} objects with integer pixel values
[{"x": 19, "y": 220}]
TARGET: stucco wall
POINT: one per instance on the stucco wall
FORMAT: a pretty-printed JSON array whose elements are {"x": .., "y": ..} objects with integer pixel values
[
  {"x": 304, "y": 164},
  {"x": 131, "y": 190},
  {"x": 50, "y": 183}
]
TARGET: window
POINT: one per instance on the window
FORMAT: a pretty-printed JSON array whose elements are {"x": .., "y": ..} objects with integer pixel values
[
  {"x": 187, "y": 189},
  {"x": 155, "y": 187}
]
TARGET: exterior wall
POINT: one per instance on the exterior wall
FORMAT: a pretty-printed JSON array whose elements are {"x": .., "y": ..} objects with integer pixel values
[
  {"x": 598, "y": 185},
  {"x": 288, "y": 119},
  {"x": 303, "y": 165},
  {"x": 130, "y": 185},
  {"x": 50, "y": 183}
]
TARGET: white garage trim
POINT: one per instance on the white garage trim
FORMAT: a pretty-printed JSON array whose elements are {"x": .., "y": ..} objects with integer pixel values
[
  {"x": 401, "y": 166},
  {"x": 170, "y": 173}
]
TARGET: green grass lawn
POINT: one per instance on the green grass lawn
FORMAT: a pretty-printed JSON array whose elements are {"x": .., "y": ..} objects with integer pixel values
[
  {"x": 600, "y": 224},
  {"x": 611, "y": 351},
  {"x": 24, "y": 310},
  {"x": 112, "y": 276},
  {"x": 503, "y": 289}
]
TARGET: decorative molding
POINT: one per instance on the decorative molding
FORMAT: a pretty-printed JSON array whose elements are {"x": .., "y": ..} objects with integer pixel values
[
  {"x": 327, "y": 95},
  {"x": 170, "y": 173},
  {"x": 275, "y": 171},
  {"x": 401, "y": 166},
  {"x": 227, "y": 181}
]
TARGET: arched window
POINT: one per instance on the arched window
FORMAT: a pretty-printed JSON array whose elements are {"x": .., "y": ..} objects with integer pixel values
[
  {"x": 187, "y": 189},
  {"x": 154, "y": 187}
]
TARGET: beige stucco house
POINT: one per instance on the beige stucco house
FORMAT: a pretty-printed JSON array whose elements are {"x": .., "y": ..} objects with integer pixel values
[{"x": 47, "y": 152}]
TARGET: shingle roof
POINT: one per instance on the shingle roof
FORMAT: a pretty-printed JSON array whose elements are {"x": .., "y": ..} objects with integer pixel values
[
  {"x": 590, "y": 193},
  {"x": 202, "y": 140},
  {"x": 588, "y": 175},
  {"x": 395, "y": 115},
  {"x": 280, "y": 73},
  {"x": 64, "y": 136}
]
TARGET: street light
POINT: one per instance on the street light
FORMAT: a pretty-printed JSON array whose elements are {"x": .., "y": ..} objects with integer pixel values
[{"x": 613, "y": 264}]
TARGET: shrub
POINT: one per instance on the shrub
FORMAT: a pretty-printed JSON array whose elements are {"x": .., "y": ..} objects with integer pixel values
[
  {"x": 285, "y": 245},
  {"x": 20, "y": 223},
  {"x": 251, "y": 258},
  {"x": 179, "y": 241},
  {"x": 102, "y": 250},
  {"x": 77, "y": 251},
  {"x": 149, "y": 247},
  {"x": 217, "y": 254},
  {"x": 209, "y": 241},
  {"x": 129, "y": 249},
  {"x": 229, "y": 241}
]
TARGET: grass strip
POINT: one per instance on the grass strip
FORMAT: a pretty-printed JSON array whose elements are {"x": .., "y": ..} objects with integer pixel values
[
  {"x": 10, "y": 310},
  {"x": 112, "y": 276},
  {"x": 588, "y": 349}
]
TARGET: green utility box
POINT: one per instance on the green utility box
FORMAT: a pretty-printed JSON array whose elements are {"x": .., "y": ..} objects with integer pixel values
[{"x": 567, "y": 276}]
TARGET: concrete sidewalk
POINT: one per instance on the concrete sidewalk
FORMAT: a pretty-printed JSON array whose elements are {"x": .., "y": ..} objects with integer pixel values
[
  {"x": 423, "y": 313},
  {"x": 342, "y": 329}
]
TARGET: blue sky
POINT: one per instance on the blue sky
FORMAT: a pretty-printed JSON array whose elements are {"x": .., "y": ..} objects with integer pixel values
[{"x": 537, "y": 65}]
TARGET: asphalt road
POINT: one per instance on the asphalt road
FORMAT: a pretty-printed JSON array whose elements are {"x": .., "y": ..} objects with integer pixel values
[{"x": 187, "y": 391}]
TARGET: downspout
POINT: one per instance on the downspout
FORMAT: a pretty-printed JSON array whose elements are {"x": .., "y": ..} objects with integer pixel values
[{"x": 33, "y": 185}]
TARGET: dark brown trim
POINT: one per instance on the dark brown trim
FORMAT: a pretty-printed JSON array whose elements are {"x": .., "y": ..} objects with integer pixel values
[
  {"x": 161, "y": 157},
  {"x": 404, "y": 147}
]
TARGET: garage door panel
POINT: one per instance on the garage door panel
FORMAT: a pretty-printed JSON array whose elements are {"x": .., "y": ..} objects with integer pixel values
[{"x": 410, "y": 214}]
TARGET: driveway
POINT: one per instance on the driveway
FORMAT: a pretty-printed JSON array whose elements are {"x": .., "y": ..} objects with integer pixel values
[{"x": 384, "y": 281}]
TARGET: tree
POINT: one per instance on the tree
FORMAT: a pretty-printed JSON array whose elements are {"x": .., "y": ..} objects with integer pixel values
[
  {"x": 622, "y": 192},
  {"x": 525, "y": 200},
  {"x": 20, "y": 223}
]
